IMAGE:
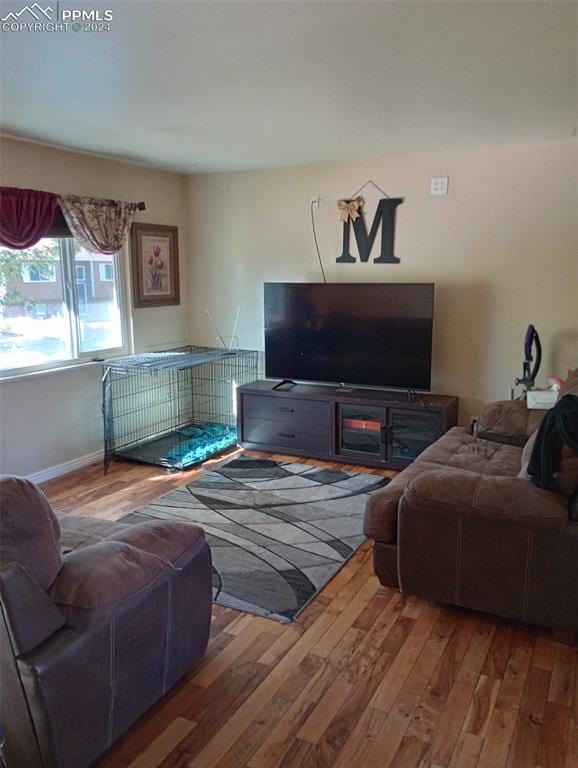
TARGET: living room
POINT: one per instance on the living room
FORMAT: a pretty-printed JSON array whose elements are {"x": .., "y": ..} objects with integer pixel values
[{"x": 291, "y": 109}]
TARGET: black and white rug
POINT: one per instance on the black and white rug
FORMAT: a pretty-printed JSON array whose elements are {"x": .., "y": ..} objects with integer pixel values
[{"x": 278, "y": 531}]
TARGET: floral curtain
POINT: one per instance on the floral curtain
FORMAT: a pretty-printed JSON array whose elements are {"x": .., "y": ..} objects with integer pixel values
[
  {"x": 101, "y": 226},
  {"x": 25, "y": 216}
]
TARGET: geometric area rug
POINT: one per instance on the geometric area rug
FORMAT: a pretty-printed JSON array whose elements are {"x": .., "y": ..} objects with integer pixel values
[{"x": 278, "y": 531}]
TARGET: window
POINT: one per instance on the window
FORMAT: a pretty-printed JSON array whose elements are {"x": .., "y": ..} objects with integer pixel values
[
  {"x": 39, "y": 273},
  {"x": 106, "y": 273},
  {"x": 52, "y": 311}
]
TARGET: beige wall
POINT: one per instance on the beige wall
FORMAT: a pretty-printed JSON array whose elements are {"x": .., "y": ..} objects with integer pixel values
[
  {"x": 53, "y": 418},
  {"x": 501, "y": 249}
]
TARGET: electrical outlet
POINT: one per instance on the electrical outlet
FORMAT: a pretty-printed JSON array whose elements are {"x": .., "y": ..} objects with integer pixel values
[
  {"x": 439, "y": 185},
  {"x": 315, "y": 201}
]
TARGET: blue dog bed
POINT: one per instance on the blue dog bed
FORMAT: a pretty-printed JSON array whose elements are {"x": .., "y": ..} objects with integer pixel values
[{"x": 201, "y": 441}]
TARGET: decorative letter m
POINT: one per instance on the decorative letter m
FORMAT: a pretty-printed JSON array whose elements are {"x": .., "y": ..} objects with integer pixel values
[{"x": 385, "y": 215}]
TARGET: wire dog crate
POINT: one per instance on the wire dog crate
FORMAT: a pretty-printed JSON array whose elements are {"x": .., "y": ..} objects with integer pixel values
[{"x": 174, "y": 408}]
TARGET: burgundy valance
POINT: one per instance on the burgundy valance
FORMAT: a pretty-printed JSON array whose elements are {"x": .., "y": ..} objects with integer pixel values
[{"x": 25, "y": 216}]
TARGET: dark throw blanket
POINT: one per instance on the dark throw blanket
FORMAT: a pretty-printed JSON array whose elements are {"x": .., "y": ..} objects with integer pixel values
[{"x": 559, "y": 426}]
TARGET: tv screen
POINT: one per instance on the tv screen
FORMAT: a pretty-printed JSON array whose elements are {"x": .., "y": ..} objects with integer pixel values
[{"x": 371, "y": 334}]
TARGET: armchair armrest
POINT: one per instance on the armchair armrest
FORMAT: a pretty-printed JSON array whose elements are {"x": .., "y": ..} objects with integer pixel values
[
  {"x": 498, "y": 498},
  {"x": 100, "y": 580},
  {"x": 508, "y": 421}
]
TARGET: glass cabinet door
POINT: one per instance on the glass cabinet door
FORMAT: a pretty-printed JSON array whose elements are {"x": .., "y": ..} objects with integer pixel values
[
  {"x": 410, "y": 432},
  {"x": 362, "y": 431}
]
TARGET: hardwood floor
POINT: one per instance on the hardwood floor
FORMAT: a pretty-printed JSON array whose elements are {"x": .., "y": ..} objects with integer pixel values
[{"x": 365, "y": 677}]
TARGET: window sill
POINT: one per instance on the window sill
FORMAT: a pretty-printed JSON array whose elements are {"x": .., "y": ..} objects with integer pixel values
[{"x": 74, "y": 366}]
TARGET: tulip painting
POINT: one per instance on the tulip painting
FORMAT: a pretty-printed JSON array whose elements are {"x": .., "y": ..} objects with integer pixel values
[
  {"x": 155, "y": 265},
  {"x": 156, "y": 269}
]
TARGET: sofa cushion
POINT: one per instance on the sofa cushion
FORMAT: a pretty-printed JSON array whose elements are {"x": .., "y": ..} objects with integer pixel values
[
  {"x": 29, "y": 613},
  {"x": 380, "y": 522},
  {"x": 98, "y": 581},
  {"x": 570, "y": 385},
  {"x": 460, "y": 450},
  {"x": 508, "y": 421},
  {"x": 29, "y": 530}
]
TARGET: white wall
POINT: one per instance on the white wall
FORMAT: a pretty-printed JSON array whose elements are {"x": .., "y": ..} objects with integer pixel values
[
  {"x": 52, "y": 418},
  {"x": 501, "y": 249}
]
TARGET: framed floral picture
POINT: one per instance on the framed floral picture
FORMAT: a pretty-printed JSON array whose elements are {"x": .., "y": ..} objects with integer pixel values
[{"x": 155, "y": 265}]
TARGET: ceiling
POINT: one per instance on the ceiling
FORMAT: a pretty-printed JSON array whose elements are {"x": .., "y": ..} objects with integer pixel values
[{"x": 216, "y": 86}]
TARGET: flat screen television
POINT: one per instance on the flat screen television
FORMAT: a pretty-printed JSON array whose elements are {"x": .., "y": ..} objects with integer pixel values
[{"x": 369, "y": 334}]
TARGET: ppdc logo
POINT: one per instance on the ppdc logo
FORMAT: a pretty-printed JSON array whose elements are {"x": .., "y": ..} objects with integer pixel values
[{"x": 38, "y": 18}]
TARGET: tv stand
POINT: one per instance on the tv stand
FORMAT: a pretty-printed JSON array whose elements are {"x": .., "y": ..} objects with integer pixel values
[
  {"x": 285, "y": 381},
  {"x": 345, "y": 389},
  {"x": 374, "y": 427}
]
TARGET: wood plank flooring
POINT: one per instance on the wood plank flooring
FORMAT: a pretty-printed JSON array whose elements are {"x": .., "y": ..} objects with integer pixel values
[{"x": 365, "y": 677}]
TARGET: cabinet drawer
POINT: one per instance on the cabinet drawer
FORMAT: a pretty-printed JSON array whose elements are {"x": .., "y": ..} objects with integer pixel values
[
  {"x": 270, "y": 432},
  {"x": 310, "y": 414}
]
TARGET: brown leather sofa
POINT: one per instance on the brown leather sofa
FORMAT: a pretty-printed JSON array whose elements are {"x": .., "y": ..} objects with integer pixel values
[
  {"x": 465, "y": 525},
  {"x": 98, "y": 621}
]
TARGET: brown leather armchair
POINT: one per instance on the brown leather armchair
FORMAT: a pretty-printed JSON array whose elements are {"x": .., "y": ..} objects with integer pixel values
[
  {"x": 98, "y": 621},
  {"x": 465, "y": 525}
]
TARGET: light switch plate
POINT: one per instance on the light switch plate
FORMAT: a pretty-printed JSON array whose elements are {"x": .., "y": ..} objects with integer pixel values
[{"x": 439, "y": 185}]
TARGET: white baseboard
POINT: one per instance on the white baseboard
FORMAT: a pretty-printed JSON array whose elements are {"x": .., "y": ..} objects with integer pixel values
[{"x": 62, "y": 469}]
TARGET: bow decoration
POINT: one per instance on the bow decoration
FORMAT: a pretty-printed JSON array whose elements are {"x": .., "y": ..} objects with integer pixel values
[{"x": 350, "y": 209}]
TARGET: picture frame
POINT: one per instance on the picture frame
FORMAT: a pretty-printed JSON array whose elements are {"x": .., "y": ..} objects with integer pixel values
[{"x": 155, "y": 265}]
